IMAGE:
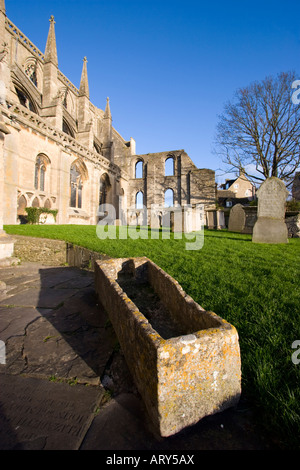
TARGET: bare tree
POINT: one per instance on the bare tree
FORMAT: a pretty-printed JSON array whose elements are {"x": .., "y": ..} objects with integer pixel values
[{"x": 259, "y": 133}]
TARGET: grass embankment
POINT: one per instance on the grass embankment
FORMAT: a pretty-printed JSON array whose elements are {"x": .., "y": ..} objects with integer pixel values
[{"x": 254, "y": 287}]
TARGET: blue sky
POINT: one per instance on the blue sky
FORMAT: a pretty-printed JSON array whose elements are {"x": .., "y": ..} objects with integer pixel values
[{"x": 167, "y": 66}]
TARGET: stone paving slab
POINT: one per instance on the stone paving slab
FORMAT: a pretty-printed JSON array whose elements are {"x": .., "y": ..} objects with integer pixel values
[
  {"x": 54, "y": 331},
  {"x": 13, "y": 321},
  {"x": 40, "y": 297},
  {"x": 40, "y": 415},
  {"x": 122, "y": 424},
  {"x": 119, "y": 425}
]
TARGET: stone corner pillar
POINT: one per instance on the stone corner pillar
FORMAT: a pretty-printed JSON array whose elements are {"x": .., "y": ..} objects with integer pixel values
[{"x": 6, "y": 242}]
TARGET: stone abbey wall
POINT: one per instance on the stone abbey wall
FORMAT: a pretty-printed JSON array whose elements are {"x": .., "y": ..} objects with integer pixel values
[{"x": 62, "y": 151}]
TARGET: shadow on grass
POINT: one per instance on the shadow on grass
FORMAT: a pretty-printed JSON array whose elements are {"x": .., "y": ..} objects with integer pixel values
[{"x": 223, "y": 235}]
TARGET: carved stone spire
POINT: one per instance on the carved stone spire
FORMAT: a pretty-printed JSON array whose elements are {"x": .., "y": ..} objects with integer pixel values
[
  {"x": 107, "y": 133},
  {"x": 107, "y": 113},
  {"x": 84, "y": 84},
  {"x": 50, "y": 51},
  {"x": 2, "y": 6}
]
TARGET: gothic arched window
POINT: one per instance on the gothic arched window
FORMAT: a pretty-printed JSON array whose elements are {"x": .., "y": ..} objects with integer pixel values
[
  {"x": 169, "y": 198},
  {"x": 35, "y": 202},
  {"x": 25, "y": 100},
  {"x": 40, "y": 171},
  {"x": 139, "y": 200},
  {"x": 104, "y": 188},
  {"x": 22, "y": 203},
  {"x": 169, "y": 166},
  {"x": 75, "y": 186},
  {"x": 139, "y": 169},
  {"x": 67, "y": 129}
]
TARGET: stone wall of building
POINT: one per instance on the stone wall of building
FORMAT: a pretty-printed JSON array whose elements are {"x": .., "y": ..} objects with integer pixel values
[{"x": 63, "y": 152}]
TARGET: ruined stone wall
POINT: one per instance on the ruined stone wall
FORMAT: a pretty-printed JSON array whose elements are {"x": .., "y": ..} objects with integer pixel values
[
  {"x": 203, "y": 188},
  {"x": 43, "y": 250},
  {"x": 189, "y": 184}
]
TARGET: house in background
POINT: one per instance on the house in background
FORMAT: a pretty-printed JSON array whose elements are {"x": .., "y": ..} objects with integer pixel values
[{"x": 236, "y": 191}]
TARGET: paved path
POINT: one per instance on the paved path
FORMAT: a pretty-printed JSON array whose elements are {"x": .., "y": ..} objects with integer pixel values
[{"x": 65, "y": 383}]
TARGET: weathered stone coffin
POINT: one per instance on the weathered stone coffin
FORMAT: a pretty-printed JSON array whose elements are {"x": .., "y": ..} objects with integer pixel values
[{"x": 184, "y": 360}]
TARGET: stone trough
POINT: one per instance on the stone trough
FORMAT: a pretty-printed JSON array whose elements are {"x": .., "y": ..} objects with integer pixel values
[{"x": 185, "y": 361}]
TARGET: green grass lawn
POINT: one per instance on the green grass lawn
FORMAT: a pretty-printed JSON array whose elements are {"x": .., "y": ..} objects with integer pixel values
[{"x": 254, "y": 287}]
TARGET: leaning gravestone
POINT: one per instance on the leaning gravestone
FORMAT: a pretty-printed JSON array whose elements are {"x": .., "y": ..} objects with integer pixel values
[{"x": 270, "y": 226}]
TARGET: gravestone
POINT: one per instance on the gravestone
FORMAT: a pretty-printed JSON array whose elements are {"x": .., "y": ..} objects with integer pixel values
[
  {"x": 293, "y": 226},
  {"x": 270, "y": 226},
  {"x": 221, "y": 220},
  {"x": 251, "y": 217},
  {"x": 237, "y": 219},
  {"x": 211, "y": 220},
  {"x": 242, "y": 219},
  {"x": 37, "y": 414}
]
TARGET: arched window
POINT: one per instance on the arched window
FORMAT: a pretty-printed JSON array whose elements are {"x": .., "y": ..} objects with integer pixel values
[
  {"x": 97, "y": 148},
  {"x": 169, "y": 198},
  {"x": 104, "y": 188},
  {"x": 169, "y": 166},
  {"x": 22, "y": 203},
  {"x": 76, "y": 186},
  {"x": 25, "y": 100},
  {"x": 67, "y": 129},
  {"x": 139, "y": 169},
  {"x": 139, "y": 200},
  {"x": 40, "y": 170},
  {"x": 35, "y": 202},
  {"x": 47, "y": 204}
]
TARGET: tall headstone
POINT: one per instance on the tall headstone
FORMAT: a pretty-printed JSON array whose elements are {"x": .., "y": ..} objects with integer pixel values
[
  {"x": 270, "y": 226},
  {"x": 237, "y": 219}
]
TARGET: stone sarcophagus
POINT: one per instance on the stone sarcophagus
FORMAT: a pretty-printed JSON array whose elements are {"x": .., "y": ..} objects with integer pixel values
[{"x": 184, "y": 360}]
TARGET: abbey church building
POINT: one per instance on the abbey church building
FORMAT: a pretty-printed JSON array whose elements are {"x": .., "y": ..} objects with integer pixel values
[{"x": 60, "y": 151}]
